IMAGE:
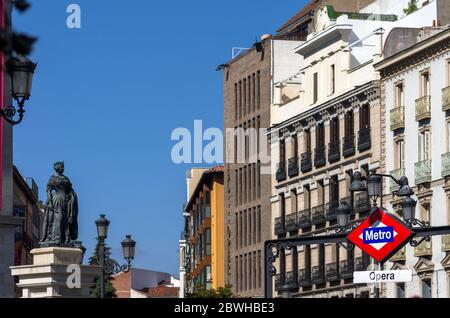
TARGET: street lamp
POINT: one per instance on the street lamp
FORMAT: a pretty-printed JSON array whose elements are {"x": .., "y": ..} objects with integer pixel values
[
  {"x": 110, "y": 266},
  {"x": 21, "y": 71}
]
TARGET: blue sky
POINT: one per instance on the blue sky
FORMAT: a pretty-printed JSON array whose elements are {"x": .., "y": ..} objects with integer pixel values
[{"x": 106, "y": 98}]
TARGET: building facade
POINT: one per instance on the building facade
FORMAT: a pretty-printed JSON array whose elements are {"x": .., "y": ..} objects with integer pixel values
[
  {"x": 28, "y": 208},
  {"x": 204, "y": 250},
  {"x": 248, "y": 92},
  {"x": 327, "y": 124},
  {"x": 415, "y": 98}
]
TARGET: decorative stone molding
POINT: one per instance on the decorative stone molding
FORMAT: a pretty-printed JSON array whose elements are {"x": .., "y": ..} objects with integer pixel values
[
  {"x": 446, "y": 263},
  {"x": 424, "y": 268},
  {"x": 424, "y": 195}
]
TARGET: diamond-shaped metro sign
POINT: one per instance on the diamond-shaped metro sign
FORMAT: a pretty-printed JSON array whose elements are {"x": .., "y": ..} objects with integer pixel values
[{"x": 381, "y": 235}]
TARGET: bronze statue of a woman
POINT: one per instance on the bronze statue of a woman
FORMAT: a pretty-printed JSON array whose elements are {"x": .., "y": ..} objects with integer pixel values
[{"x": 60, "y": 226}]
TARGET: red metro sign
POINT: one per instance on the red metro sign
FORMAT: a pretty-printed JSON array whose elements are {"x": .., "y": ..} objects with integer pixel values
[{"x": 381, "y": 235}]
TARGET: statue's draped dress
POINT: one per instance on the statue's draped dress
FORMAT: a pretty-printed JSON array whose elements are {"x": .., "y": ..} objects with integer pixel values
[{"x": 60, "y": 221}]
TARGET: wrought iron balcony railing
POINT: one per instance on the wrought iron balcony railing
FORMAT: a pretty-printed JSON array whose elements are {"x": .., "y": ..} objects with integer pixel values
[
  {"x": 291, "y": 222},
  {"x": 364, "y": 141},
  {"x": 277, "y": 282},
  {"x": 422, "y": 171},
  {"x": 334, "y": 151},
  {"x": 423, "y": 108},
  {"x": 445, "y": 164},
  {"x": 399, "y": 256},
  {"x": 349, "y": 145},
  {"x": 361, "y": 202},
  {"x": 398, "y": 118},
  {"x": 306, "y": 164},
  {"x": 318, "y": 215},
  {"x": 304, "y": 278},
  {"x": 424, "y": 249},
  {"x": 332, "y": 272},
  {"x": 320, "y": 159},
  {"x": 281, "y": 171},
  {"x": 280, "y": 229},
  {"x": 346, "y": 268},
  {"x": 318, "y": 275},
  {"x": 446, "y": 98},
  {"x": 397, "y": 173},
  {"x": 361, "y": 263},
  {"x": 291, "y": 279},
  {"x": 331, "y": 208},
  {"x": 293, "y": 167},
  {"x": 445, "y": 243},
  {"x": 304, "y": 218}
]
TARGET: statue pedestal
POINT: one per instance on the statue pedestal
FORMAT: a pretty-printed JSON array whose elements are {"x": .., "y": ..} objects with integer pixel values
[{"x": 56, "y": 273}]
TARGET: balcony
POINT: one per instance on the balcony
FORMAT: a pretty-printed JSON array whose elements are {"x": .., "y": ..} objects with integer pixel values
[
  {"x": 304, "y": 218},
  {"x": 364, "y": 141},
  {"x": 280, "y": 229},
  {"x": 291, "y": 222},
  {"x": 362, "y": 203},
  {"x": 318, "y": 275},
  {"x": 346, "y": 269},
  {"x": 318, "y": 215},
  {"x": 422, "y": 171},
  {"x": 445, "y": 164},
  {"x": 446, "y": 98},
  {"x": 361, "y": 263},
  {"x": 397, "y": 173},
  {"x": 349, "y": 145},
  {"x": 319, "y": 157},
  {"x": 281, "y": 171},
  {"x": 332, "y": 272},
  {"x": 304, "y": 278},
  {"x": 424, "y": 249},
  {"x": 331, "y": 208},
  {"x": 445, "y": 243},
  {"x": 293, "y": 167},
  {"x": 306, "y": 164},
  {"x": 423, "y": 108},
  {"x": 291, "y": 280},
  {"x": 398, "y": 118},
  {"x": 334, "y": 152},
  {"x": 400, "y": 256},
  {"x": 277, "y": 282}
]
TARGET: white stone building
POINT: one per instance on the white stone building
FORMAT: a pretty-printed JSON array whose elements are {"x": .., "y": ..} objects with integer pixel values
[{"x": 415, "y": 80}]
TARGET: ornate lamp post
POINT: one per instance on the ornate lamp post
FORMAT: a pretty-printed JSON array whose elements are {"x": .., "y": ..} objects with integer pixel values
[
  {"x": 110, "y": 266},
  {"x": 21, "y": 71}
]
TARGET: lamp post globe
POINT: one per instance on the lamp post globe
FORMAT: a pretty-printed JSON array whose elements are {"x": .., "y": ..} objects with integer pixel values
[
  {"x": 374, "y": 186},
  {"x": 409, "y": 209},
  {"x": 21, "y": 71},
  {"x": 102, "y": 224},
  {"x": 128, "y": 248},
  {"x": 343, "y": 213},
  {"x": 357, "y": 183}
]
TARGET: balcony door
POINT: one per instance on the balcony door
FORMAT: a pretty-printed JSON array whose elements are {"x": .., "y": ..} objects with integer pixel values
[{"x": 424, "y": 146}]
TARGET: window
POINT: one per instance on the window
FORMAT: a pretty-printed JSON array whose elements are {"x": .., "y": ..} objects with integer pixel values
[
  {"x": 207, "y": 204},
  {"x": 208, "y": 242},
  {"x": 334, "y": 130},
  {"x": 400, "y": 292},
  {"x": 349, "y": 124},
  {"x": 258, "y": 89},
  {"x": 240, "y": 99},
  {"x": 426, "y": 288},
  {"x": 424, "y": 146},
  {"x": 364, "y": 117},
  {"x": 332, "y": 79},
  {"x": 282, "y": 205},
  {"x": 294, "y": 146},
  {"x": 399, "y": 154},
  {"x": 315, "y": 88},
  {"x": 425, "y": 83},
  {"x": 320, "y": 136},
  {"x": 282, "y": 151},
  {"x": 244, "y": 97},
  {"x": 399, "y": 96},
  {"x": 235, "y": 101},
  {"x": 307, "y": 140},
  {"x": 334, "y": 189}
]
